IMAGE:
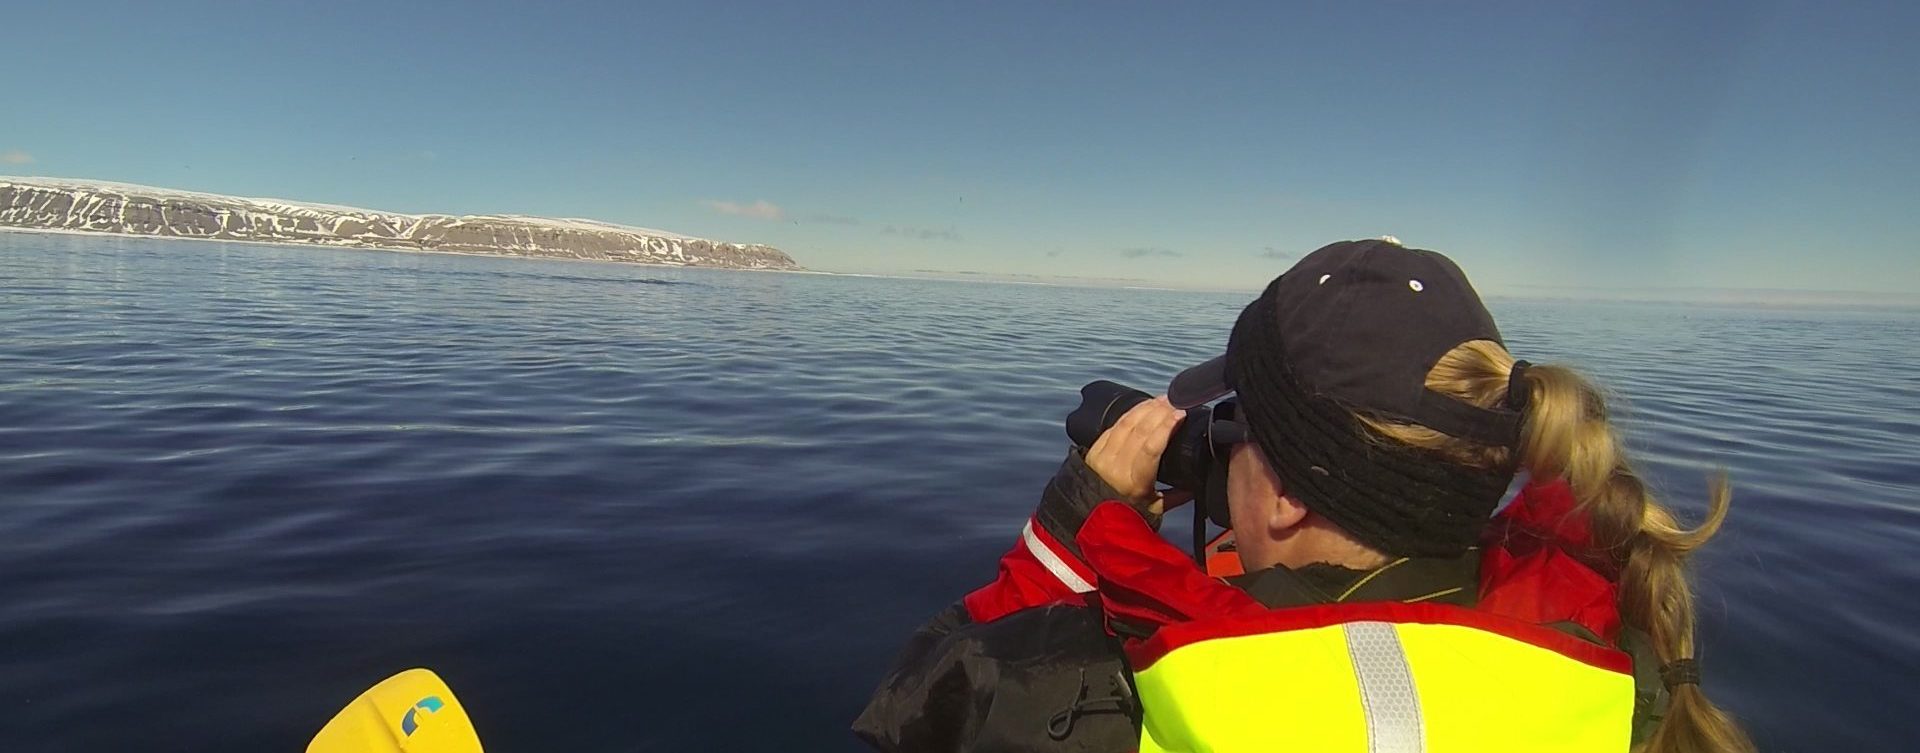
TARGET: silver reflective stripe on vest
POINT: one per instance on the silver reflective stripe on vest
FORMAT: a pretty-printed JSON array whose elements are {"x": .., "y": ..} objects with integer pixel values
[{"x": 1386, "y": 688}]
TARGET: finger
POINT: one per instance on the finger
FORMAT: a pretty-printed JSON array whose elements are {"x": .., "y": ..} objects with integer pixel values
[
  {"x": 1130, "y": 422},
  {"x": 1107, "y": 456},
  {"x": 1150, "y": 417},
  {"x": 1154, "y": 441},
  {"x": 1127, "y": 454},
  {"x": 1100, "y": 445}
]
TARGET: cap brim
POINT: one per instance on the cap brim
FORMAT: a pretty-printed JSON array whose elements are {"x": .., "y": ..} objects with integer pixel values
[{"x": 1200, "y": 384}]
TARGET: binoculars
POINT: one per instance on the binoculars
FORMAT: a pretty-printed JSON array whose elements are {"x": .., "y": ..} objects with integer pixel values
[{"x": 1196, "y": 456}]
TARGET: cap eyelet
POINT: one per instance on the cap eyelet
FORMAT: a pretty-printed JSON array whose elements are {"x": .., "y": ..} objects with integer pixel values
[
  {"x": 1415, "y": 284},
  {"x": 1323, "y": 279}
]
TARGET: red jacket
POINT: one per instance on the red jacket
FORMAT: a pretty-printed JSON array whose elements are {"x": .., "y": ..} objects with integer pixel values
[
  {"x": 1535, "y": 566},
  {"x": 1043, "y": 642}
]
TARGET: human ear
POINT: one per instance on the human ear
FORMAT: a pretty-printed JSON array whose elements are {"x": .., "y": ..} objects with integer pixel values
[{"x": 1284, "y": 515}]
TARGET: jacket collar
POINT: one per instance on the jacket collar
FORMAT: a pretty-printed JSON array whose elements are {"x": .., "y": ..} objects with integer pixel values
[{"x": 1453, "y": 580}]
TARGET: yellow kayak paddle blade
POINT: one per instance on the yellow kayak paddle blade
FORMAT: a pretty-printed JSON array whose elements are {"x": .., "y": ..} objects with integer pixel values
[{"x": 411, "y": 712}]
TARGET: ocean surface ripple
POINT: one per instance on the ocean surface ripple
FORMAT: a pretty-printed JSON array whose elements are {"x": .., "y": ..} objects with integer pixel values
[{"x": 632, "y": 508}]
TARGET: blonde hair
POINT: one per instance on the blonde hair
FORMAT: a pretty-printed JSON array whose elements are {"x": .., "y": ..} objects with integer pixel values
[{"x": 1567, "y": 435}]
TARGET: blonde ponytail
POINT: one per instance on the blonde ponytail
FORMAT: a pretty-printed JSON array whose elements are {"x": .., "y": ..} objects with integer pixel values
[{"x": 1567, "y": 435}]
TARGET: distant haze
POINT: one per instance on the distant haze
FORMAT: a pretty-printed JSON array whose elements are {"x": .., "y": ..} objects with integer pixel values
[{"x": 1747, "y": 146}]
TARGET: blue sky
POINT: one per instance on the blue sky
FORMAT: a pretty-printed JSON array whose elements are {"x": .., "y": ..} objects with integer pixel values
[{"x": 1724, "y": 145}]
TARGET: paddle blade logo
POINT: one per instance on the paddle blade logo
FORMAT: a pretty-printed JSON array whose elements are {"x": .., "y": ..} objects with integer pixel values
[{"x": 425, "y": 706}]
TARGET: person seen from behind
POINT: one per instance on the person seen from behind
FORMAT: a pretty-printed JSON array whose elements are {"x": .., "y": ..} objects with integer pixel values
[{"x": 1372, "y": 422}]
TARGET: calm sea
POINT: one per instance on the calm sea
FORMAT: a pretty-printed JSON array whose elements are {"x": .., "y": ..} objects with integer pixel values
[{"x": 625, "y": 508}]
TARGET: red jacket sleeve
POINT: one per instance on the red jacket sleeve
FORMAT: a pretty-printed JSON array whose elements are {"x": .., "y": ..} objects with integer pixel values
[
  {"x": 1044, "y": 566},
  {"x": 1037, "y": 572},
  {"x": 1081, "y": 541}
]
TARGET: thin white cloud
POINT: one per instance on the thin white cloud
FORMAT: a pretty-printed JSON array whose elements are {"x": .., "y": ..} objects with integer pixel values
[
  {"x": 833, "y": 219},
  {"x": 922, "y": 233},
  {"x": 759, "y": 210},
  {"x": 16, "y": 157},
  {"x": 1274, "y": 253},
  {"x": 1143, "y": 252}
]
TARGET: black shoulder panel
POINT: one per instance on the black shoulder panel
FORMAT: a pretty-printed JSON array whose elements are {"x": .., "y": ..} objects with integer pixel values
[{"x": 997, "y": 686}]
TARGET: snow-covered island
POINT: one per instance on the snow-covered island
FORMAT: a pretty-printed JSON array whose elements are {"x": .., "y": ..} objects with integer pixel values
[{"x": 117, "y": 208}]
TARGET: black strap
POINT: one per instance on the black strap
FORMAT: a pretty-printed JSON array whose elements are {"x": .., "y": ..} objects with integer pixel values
[
  {"x": 1200, "y": 529},
  {"x": 1464, "y": 420},
  {"x": 1680, "y": 672},
  {"x": 1060, "y": 726},
  {"x": 1518, "y": 391}
]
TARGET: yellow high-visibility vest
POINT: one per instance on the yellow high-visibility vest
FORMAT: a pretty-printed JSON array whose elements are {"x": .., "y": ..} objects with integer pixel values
[{"x": 1379, "y": 678}]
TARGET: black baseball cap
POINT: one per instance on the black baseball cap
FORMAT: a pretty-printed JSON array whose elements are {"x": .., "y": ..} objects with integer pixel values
[
  {"x": 1361, "y": 323},
  {"x": 1353, "y": 329}
]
